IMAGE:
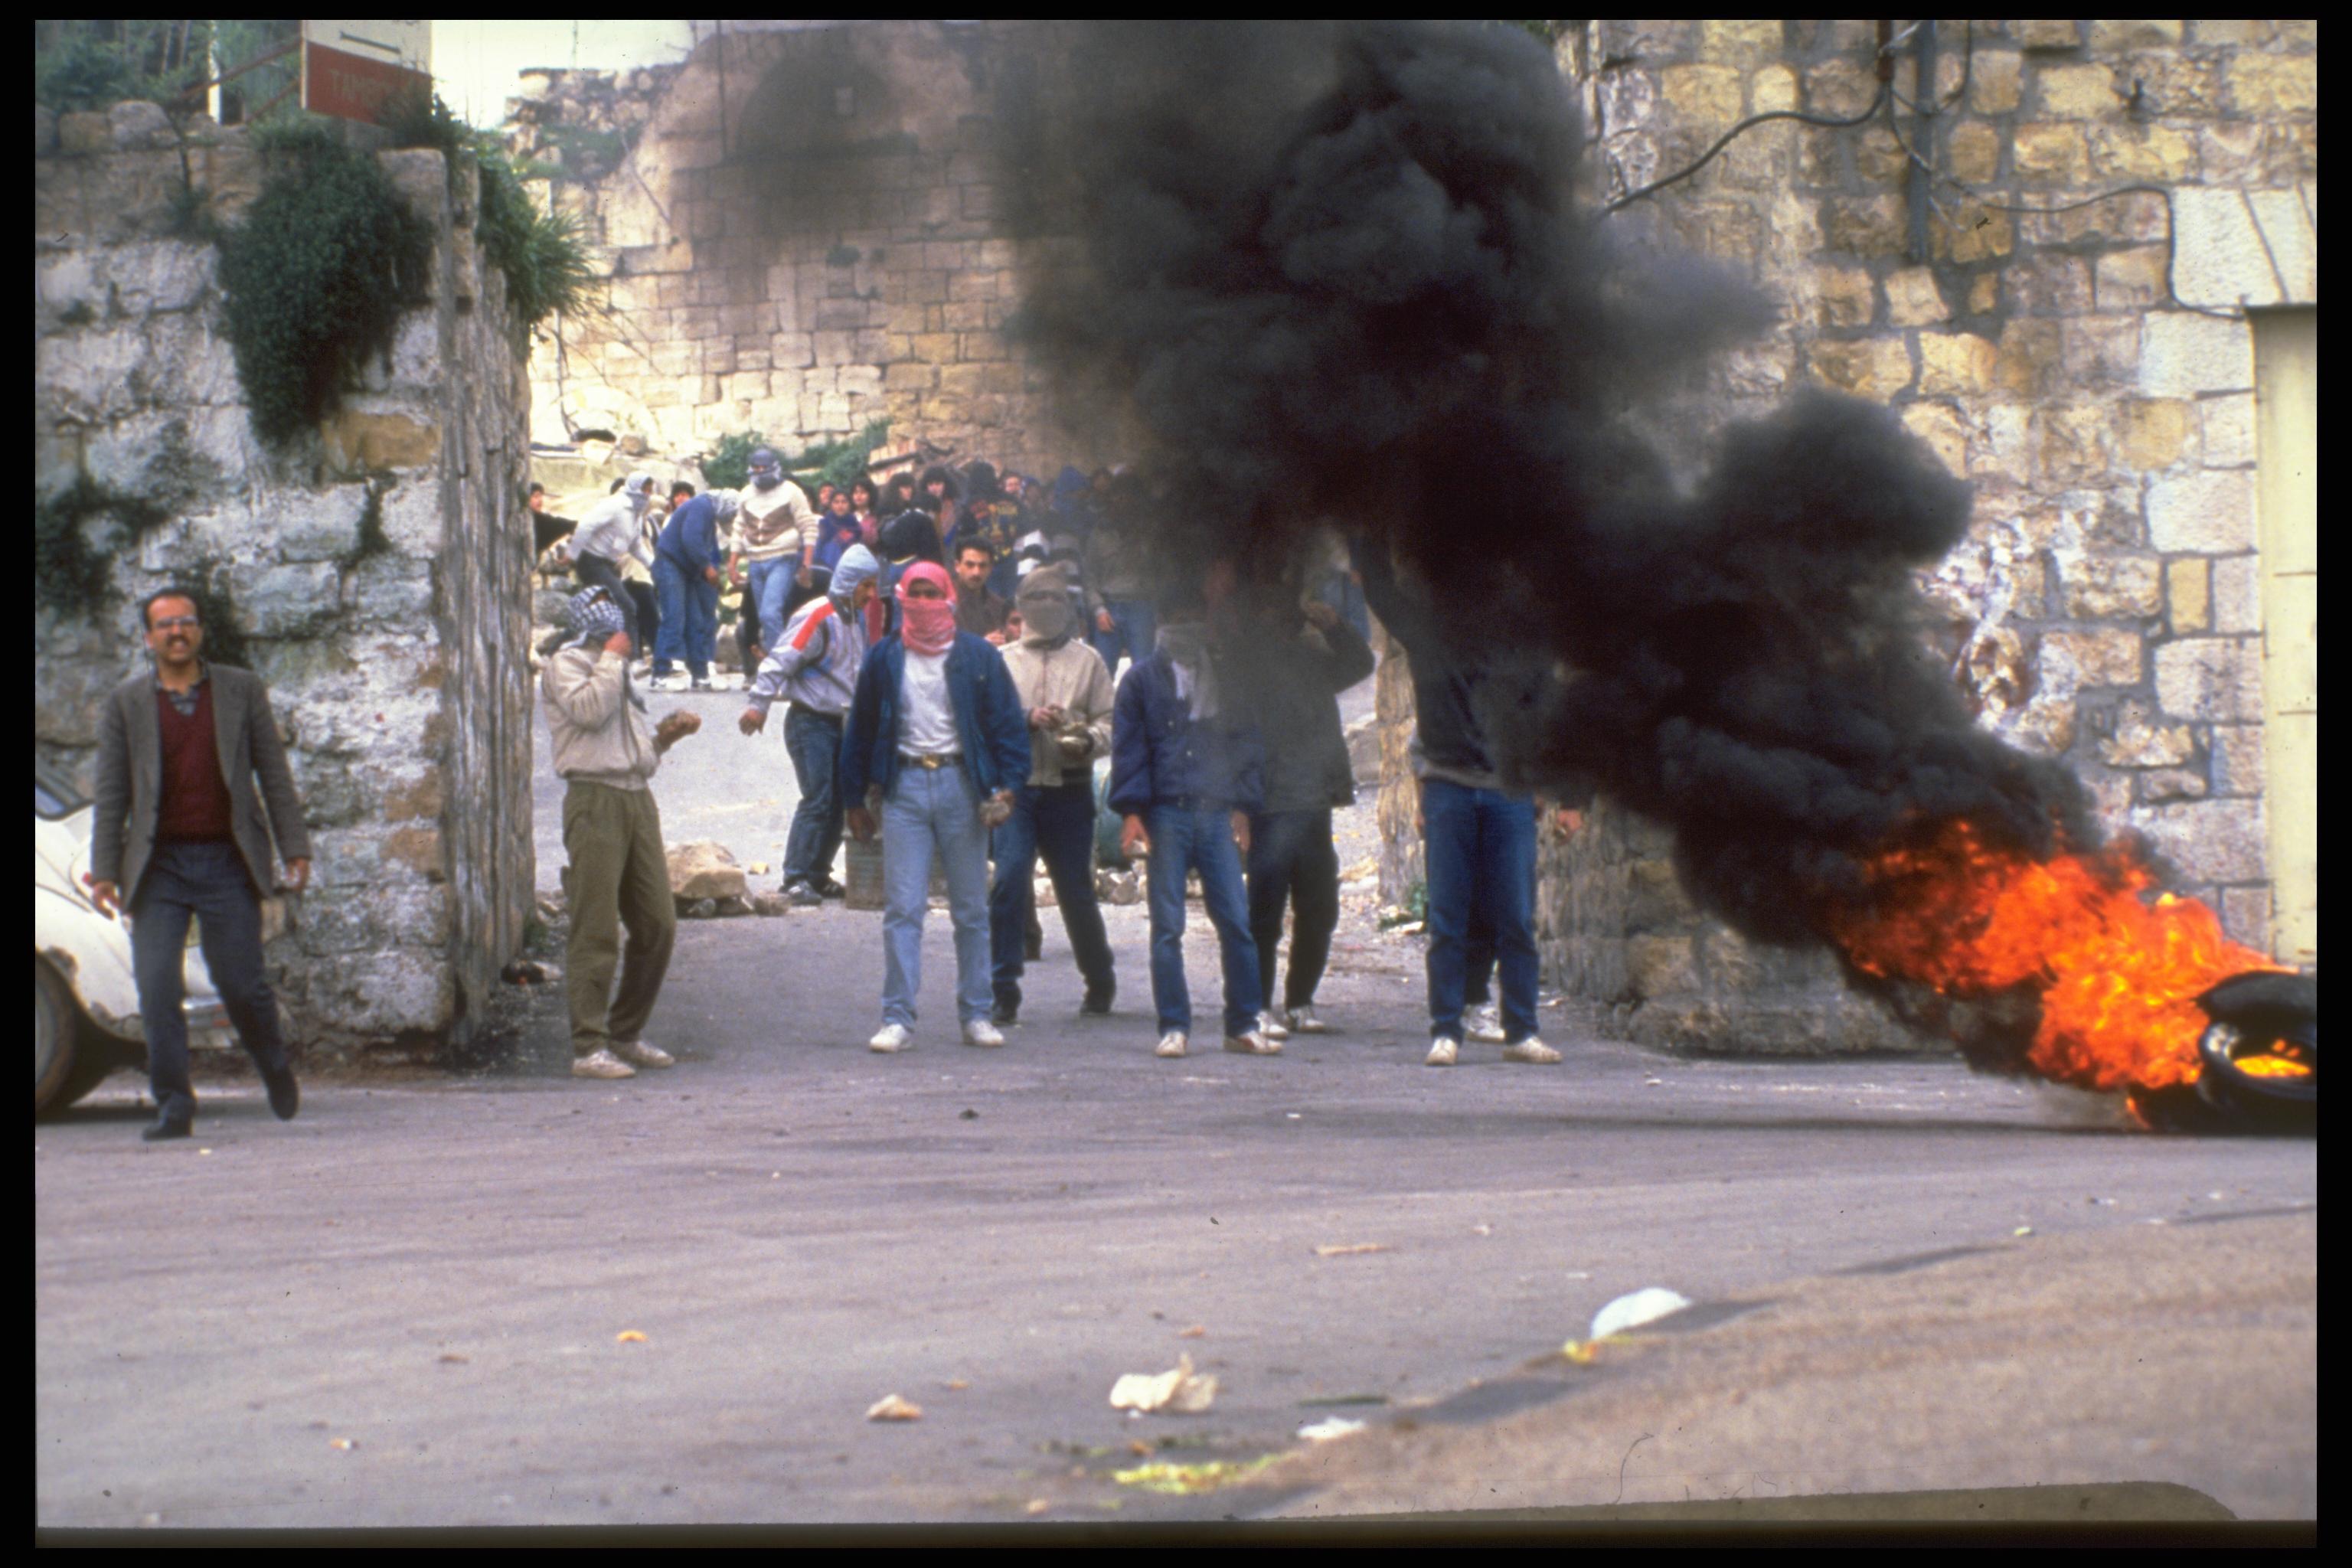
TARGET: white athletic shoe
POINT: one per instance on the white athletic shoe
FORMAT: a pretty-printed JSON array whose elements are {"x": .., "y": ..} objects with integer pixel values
[
  {"x": 1529, "y": 1050},
  {"x": 1484, "y": 1024},
  {"x": 1252, "y": 1044},
  {"x": 1272, "y": 1027},
  {"x": 643, "y": 1054},
  {"x": 666, "y": 683},
  {"x": 600, "y": 1064},
  {"x": 1302, "y": 1021},
  {"x": 1171, "y": 1044},
  {"x": 981, "y": 1031},
  {"x": 888, "y": 1038},
  {"x": 1442, "y": 1052}
]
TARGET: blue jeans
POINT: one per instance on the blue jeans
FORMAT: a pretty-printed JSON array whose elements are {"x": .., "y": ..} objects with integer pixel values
[
  {"x": 1059, "y": 821},
  {"x": 1185, "y": 839},
  {"x": 1481, "y": 854},
  {"x": 814, "y": 740},
  {"x": 208, "y": 881},
  {"x": 689, "y": 618},
  {"x": 933, "y": 808},
  {"x": 1134, "y": 626},
  {"x": 770, "y": 585}
]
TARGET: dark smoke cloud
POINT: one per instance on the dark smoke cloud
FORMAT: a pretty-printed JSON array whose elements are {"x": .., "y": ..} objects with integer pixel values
[{"x": 1337, "y": 273}]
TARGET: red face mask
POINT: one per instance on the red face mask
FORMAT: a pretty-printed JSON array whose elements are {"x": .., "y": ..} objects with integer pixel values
[{"x": 929, "y": 626}]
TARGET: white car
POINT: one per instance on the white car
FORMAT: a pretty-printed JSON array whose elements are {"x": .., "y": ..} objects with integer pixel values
[{"x": 85, "y": 1001}]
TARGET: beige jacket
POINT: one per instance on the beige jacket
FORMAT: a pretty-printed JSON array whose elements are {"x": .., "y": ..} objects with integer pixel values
[
  {"x": 1072, "y": 678},
  {"x": 600, "y": 736}
]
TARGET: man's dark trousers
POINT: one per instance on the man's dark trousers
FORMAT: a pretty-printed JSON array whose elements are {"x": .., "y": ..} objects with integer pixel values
[
  {"x": 1480, "y": 851},
  {"x": 813, "y": 741},
  {"x": 210, "y": 882},
  {"x": 1293, "y": 860},
  {"x": 1057, "y": 821}
]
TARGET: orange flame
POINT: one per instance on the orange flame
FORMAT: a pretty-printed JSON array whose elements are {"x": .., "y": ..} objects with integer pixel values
[{"x": 2119, "y": 974}]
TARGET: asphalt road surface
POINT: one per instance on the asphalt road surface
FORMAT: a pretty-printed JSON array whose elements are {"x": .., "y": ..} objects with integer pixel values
[{"x": 418, "y": 1303}]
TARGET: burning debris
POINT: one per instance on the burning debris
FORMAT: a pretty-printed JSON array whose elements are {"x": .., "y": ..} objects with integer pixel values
[{"x": 1321, "y": 268}]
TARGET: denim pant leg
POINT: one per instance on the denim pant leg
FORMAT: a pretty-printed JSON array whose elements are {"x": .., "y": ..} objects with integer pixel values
[
  {"x": 159, "y": 938},
  {"x": 1449, "y": 855},
  {"x": 669, "y": 586},
  {"x": 701, "y": 626},
  {"x": 963, "y": 854},
  {"x": 905, "y": 890},
  {"x": 1139, "y": 627},
  {"x": 770, "y": 583},
  {"x": 1506, "y": 878},
  {"x": 1222, "y": 894},
  {"x": 814, "y": 744},
  {"x": 1016, "y": 862},
  {"x": 1171, "y": 856},
  {"x": 1065, "y": 837}
]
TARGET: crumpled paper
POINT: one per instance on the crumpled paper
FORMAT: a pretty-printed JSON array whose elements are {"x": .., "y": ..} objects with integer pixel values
[{"x": 1180, "y": 1391}]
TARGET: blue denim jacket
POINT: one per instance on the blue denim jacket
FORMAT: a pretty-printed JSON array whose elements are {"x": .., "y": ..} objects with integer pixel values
[
  {"x": 991, "y": 724},
  {"x": 1159, "y": 756}
]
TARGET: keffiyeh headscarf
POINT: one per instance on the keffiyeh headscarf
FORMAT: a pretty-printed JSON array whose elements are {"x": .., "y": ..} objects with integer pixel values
[{"x": 594, "y": 616}]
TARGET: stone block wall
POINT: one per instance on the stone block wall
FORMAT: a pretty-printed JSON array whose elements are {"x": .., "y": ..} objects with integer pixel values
[
  {"x": 806, "y": 232},
  {"x": 2090, "y": 369},
  {"x": 377, "y": 571}
]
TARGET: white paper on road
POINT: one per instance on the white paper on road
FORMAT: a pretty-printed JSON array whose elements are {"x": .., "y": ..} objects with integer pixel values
[
  {"x": 1631, "y": 1311},
  {"x": 1180, "y": 1390}
]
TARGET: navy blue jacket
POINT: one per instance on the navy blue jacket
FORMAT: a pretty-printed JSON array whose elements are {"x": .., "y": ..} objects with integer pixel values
[
  {"x": 690, "y": 537},
  {"x": 1159, "y": 756},
  {"x": 992, "y": 726}
]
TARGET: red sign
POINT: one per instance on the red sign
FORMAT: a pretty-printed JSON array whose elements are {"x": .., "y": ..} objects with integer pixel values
[{"x": 353, "y": 87}]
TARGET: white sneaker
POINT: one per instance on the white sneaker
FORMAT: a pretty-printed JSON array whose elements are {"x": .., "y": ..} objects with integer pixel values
[
  {"x": 1302, "y": 1021},
  {"x": 643, "y": 1054},
  {"x": 1171, "y": 1044},
  {"x": 702, "y": 685},
  {"x": 1273, "y": 1029},
  {"x": 981, "y": 1031},
  {"x": 888, "y": 1038},
  {"x": 666, "y": 683},
  {"x": 1252, "y": 1044},
  {"x": 1442, "y": 1052},
  {"x": 1484, "y": 1024},
  {"x": 600, "y": 1064},
  {"x": 1529, "y": 1050}
]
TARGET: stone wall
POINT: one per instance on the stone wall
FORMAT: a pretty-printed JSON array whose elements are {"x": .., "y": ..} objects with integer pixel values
[
  {"x": 2106, "y": 606},
  {"x": 805, "y": 231},
  {"x": 377, "y": 570}
]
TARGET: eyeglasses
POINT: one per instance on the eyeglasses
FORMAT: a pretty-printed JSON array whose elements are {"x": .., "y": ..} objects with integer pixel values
[{"x": 178, "y": 624}]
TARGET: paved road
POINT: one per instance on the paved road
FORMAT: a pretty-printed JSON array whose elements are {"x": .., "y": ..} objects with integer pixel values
[{"x": 437, "y": 1271}]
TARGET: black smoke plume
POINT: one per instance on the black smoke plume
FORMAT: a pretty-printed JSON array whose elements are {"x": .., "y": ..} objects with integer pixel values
[{"x": 1338, "y": 274}]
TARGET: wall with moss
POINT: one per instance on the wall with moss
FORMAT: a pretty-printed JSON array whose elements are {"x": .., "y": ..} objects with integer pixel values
[{"x": 373, "y": 570}]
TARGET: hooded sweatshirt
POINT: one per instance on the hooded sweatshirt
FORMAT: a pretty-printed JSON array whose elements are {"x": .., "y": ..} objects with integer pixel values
[
  {"x": 814, "y": 664},
  {"x": 776, "y": 523},
  {"x": 1053, "y": 669}
]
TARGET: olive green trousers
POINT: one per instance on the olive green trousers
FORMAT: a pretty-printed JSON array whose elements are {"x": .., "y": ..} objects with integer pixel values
[{"x": 619, "y": 876}]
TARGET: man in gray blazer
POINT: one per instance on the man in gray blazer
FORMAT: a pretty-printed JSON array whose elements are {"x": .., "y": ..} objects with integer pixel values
[{"x": 177, "y": 833}]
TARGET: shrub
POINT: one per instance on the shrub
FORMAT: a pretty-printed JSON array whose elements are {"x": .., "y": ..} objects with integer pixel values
[{"x": 317, "y": 275}]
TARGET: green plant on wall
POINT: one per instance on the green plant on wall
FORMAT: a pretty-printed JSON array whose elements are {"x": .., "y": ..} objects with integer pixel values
[
  {"x": 838, "y": 462},
  {"x": 542, "y": 254},
  {"x": 316, "y": 277},
  {"x": 71, "y": 574}
]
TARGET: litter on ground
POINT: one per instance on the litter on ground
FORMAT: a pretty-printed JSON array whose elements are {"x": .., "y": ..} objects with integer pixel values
[{"x": 1181, "y": 1391}]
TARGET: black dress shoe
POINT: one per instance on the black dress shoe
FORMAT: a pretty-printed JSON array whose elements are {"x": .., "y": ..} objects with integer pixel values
[
  {"x": 1003, "y": 1016},
  {"x": 1099, "y": 1002},
  {"x": 169, "y": 1126},
  {"x": 285, "y": 1094}
]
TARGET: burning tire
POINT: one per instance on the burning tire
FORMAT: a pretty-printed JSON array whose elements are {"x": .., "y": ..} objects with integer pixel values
[{"x": 2260, "y": 1061}]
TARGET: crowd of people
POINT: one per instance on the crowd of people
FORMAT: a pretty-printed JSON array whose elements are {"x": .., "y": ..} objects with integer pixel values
[
  {"x": 945, "y": 652},
  {"x": 945, "y": 649}
]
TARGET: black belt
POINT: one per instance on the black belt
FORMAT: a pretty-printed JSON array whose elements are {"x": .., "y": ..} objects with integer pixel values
[
  {"x": 931, "y": 760},
  {"x": 815, "y": 714}
]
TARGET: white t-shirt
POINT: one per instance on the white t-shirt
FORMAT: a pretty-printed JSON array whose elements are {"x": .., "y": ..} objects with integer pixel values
[{"x": 927, "y": 727}]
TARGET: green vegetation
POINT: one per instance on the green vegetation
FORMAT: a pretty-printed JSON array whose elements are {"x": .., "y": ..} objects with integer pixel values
[
  {"x": 88, "y": 63},
  {"x": 542, "y": 254},
  {"x": 317, "y": 275},
  {"x": 835, "y": 462},
  {"x": 71, "y": 574}
]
